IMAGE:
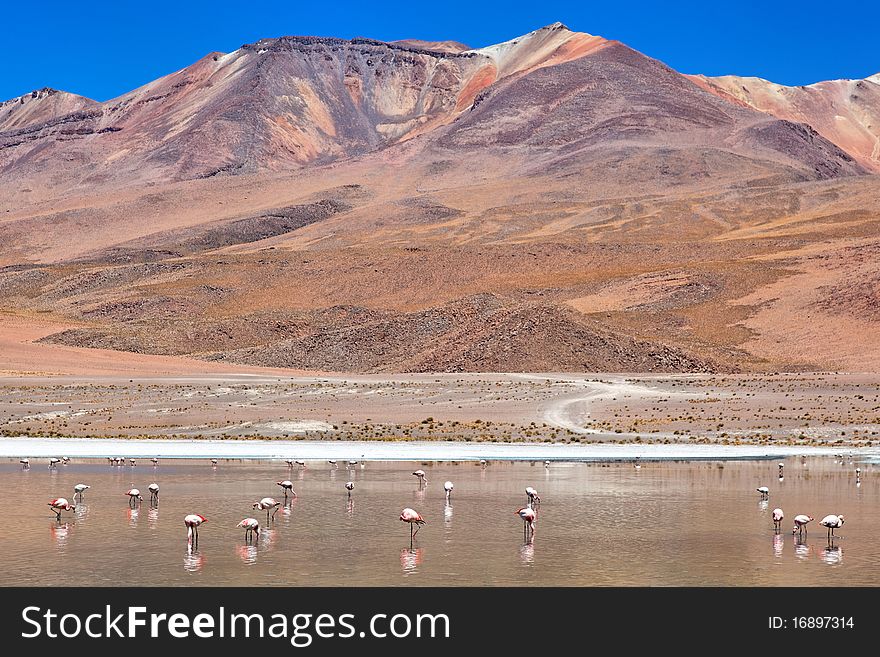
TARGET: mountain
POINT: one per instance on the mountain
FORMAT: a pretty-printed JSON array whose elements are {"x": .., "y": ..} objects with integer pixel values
[
  {"x": 558, "y": 201},
  {"x": 846, "y": 112}
]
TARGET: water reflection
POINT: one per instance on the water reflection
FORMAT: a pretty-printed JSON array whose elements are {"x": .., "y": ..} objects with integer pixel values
[
  {"x": 248, "y": 554},
  {"x": 133, "y": 515},
  {"x": 447, "y": 514},
  {"x": 410, "y": 560},
  {"x": 832, "y": 555},
  {"x": 763, "y": 504},
  {"x": 82, "y": 511},
  {"x": 778, "y": 544},
  {"x": 60, "y": 533},
  {"x": 193, "y": 560},
  {"x": 801, "y": 549},
  {"x": 153, "y": 517},
  {"x": 527, "y": 552}
]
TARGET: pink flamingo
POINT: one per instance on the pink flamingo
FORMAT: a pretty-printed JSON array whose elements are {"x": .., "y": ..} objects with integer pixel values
[
  {"x": 421, "y": 475},
  {"x": 53, "y": 462},
  {"x": 800, "y": 524},
  {"x": 154, "y": 492},
  {"x": 778, "y": 515},
  {"x": 192, "y": 523},
  {"x": 25, "y": 464},
  {"x": 266, "y": 504},
  {"x": 415, "y": 522},
  {"x": 448, "y": 486},
  {"x": 532, "y": 495},
  {"x": 134, "y": 496},
  {"x": 251, "y": 528},
  {"x": 287, "y": 485},
  {"x": 349, "y": 486},
  {"x": 60, "y": 504},
  {"x": 528, "y": 516},
  {"x": 832, "y": 522}
]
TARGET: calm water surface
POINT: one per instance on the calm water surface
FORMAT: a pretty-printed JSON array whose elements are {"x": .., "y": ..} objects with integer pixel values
[{"x": 669, "y": 523}]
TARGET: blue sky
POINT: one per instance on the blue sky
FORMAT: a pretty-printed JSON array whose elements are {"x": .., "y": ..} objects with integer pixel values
[{"x": 102, "y": 49}]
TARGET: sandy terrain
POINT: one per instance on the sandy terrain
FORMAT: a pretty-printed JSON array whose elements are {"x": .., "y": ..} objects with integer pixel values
[{"x": 767, "y": 410}]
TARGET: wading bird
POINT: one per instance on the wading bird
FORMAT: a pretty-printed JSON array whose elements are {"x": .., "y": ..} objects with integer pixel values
[
  {"x": 154, "y": 492},
  {"x": 61, "y": 504},
  {"x": 301, "y": 464},
  {"x": 214, "y": 462},
  {"x": 25, "y": 464},
  {"x": 251, "y": 528},
  {"x": 781, "y": 466},
  {"x": 832, "y": 522},
  {"x": 333, "y": 463},
  {"x": 154, "y": 461},
  {"x": 268, "y": 504},
  {"x": 192, "y": 523},
  {"x": 134, "y": 496},
  {"x": 349, "y": 486},
  {"x": 415, "y": 521},
  {"x": 289, "y": 463},
  {"x": 483, "y": 463},
  {"x": 131, "y": 461},
  {"x": 528, "y": 516},
  {"x": 421, "y": 475},
  {"x": 800, "y": 524},
  {"x": 778, "y": 515},
  {"x": 532, "y": 496},
  {"x": 448, "y": 488},
  {"x": 287, "y": 485},
  {"x": 53, "y": 462},
  {"x": 765, "y": 492},
  {"x": 65, "y": 460},
  {"x": 546, "y": 464},
  {"x": 79, "y": 489}
]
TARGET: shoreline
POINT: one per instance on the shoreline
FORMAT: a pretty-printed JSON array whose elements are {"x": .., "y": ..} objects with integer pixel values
[{"x": 100, "y": 448}]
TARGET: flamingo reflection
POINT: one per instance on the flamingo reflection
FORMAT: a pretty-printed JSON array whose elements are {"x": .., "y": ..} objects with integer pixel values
[
  {"x": 832, "y": 555},
  {"x": 153, "y": 517},
  {"x": 60, "y": 533},
  {"x": 247, "y": 553},
  {"x": 133, "y": 515},
  {"x": 801, "y": 549},
  {"x": 411, "y": 559},
  {"x": 778, "y": 543},
  {"x": 527, "y": 552},
  {"x": 447, "y": 513},
  {"x": 193, "y": 561}
]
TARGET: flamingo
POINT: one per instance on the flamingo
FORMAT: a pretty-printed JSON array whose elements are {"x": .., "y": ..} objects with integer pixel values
[
  {"x": 778, "y": 515},
  {"x": 349, "y": 486},
  {"x": 448, "y": 488},
  {"x": 287, "y": 485},
  {"x": 532, "y": 495},
  {"x": 134, "y": 496},
  {"x": 154, "y": 492},
  {"x": 192, "y": 522},
  {"x": 251, "y": 528},
  {"x": 268, "y": 504},
  {"x": 79, "y": 489},
  {"x": 132, "y": 461},
  {"x": 301, "y": 464},
  {"x": 65, "y": 460},
  {"x": 333, "y": 463},
  {"x": 61, "y": 504},
  {"x": 765, "y": 492},
  {"x": 546, "y": 464},
  {"x": 421, "y": 475},
  {"x": 154, "y": 461},
  {"x": 528, "y": 516},
  {"x": 483, "y": 463},
  {"x": 352, "y": 463},
  {"x": 53, "y": 462},
  {"x": 214, "y": 462},
  {"x": 414, "y": 519},
  {"x": 25, "y": 464},
  {"x": 832, "y": 522},
  {"x": 800, "y": 524},
  {"x": 781, "y": 466}
]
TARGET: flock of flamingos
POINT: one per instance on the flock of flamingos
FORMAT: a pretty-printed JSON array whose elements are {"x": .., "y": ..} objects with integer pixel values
[{"x": 270, "y": 505}]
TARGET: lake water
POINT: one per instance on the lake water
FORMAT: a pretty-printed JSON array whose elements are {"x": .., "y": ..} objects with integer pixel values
[{"x": 668, "y": 523}]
